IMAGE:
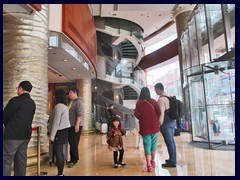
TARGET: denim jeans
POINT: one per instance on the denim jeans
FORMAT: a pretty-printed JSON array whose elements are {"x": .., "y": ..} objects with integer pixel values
[{"x": 168, "y": 135}]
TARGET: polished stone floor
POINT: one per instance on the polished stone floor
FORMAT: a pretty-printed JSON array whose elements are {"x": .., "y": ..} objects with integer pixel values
[{"x": 97, "y": 160}]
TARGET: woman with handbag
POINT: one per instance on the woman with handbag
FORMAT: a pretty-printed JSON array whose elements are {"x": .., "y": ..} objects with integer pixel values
[
  {"x": 148, "y": 113},
  {"x": 58, "y": 128}
]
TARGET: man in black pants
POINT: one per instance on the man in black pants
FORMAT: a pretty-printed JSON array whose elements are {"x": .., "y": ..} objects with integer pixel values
[{"x": 75, "y": 118}]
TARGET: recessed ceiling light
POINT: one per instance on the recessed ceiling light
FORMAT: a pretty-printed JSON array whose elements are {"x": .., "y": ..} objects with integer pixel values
[
  {"x": 74, "y": 68},
  {"x": 65, "y": 60}
]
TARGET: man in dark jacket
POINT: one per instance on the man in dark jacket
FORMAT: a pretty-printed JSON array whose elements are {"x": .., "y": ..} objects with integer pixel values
[{"x": 17, "y": 118}]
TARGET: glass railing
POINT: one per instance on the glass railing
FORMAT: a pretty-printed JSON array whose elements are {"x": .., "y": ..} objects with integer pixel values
[
  {"x": 124, "y": 25},
  {"x": 99, "y": 113},
  {"x": 125, "y": 70}
]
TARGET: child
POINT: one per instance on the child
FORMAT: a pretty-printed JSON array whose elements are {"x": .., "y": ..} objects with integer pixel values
[{"x": 115, "y": 141}]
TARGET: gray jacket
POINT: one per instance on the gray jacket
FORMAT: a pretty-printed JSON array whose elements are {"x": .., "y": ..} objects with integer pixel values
[
  {"x": 59, "y": 119},
  {"x": 76, "y": 110}
]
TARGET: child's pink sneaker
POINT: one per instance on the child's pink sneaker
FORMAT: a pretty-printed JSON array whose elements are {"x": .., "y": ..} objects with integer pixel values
[
  {"x": 153, "y": 164},
  {"x": 150, "y": 168}
]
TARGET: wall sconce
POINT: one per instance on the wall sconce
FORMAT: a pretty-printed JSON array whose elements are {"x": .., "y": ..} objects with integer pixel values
[
  {"x": 95, "y": 87},
  {"x": 116, "y": 97}
]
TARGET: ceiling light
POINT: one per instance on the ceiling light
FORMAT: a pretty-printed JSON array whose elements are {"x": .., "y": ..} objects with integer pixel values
[
  {"x": 65, "y": 60},
  {"x": 74, "y": 68}
]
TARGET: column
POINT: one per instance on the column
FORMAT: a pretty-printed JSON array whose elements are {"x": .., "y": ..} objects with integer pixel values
[
  {"x": 25, "y": 57},
  {"x": 181, "y": 16},
  {"x": 85, "y": 91}
]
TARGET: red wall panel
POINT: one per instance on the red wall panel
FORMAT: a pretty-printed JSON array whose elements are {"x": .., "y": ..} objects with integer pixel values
[
  {"x": 163, "y": 54},
  {"x": 78, "y": 25},
  {"x": 37, "y": 7}
]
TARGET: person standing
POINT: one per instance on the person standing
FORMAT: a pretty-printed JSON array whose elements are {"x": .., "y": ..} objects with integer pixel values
[
  {"x": 115, "y": 141},
  {"x": 17, "y": 118},
  {"x": 110, "y": 115},
  {"x": 167, "y": 126},
  {"x": 58, "y": 128},
  {"x": 148, "y": 113},
  {"x": 76, "y": 121},
  {"x": 216, "y": 128}
]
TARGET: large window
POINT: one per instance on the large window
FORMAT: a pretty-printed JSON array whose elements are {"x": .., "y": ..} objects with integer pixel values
[{"x": 209, "y": 73}]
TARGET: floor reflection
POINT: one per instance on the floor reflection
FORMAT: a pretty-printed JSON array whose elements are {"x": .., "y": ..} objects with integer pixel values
[{"x": 97, "y": 160}]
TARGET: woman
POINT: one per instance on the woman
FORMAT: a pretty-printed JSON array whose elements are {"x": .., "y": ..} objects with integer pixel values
[
  {"x": 58, "y": 128},
  {"x": 148, "y": 113}
]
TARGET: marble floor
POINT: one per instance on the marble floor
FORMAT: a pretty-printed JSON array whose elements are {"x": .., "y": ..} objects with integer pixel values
[{"x": 97, "y": 160}]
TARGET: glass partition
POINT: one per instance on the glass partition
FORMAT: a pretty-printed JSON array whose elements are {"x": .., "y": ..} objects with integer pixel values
[
  {"x": 208, "y": 63},
  {"x": 185, "y": 50},
  {"x": 212, "y": 102},
  {"x": 216, "y": 29},
  {"x": 193, "y": 43},
  {"x": 220, "y": 101},
  {"x": 197, "y": 104},
  {"x": 201, "y": 25}
]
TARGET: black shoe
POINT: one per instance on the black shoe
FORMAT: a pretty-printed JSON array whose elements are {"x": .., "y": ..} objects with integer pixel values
[
  {"x": 52, "y": 164},
  {"x": 115, "y": 165},
  {"x": 168, "y": 165}
]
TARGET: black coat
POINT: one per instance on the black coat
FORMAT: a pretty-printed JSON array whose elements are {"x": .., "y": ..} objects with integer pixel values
[{"x": 18, "y": 117}]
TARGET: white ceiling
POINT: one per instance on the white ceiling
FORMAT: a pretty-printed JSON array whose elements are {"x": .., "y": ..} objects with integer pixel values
[{"x": 151, "y": 17}]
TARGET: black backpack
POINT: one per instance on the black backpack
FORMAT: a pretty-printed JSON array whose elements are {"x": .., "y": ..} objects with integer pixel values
[{"x": 176, "y": 110}]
